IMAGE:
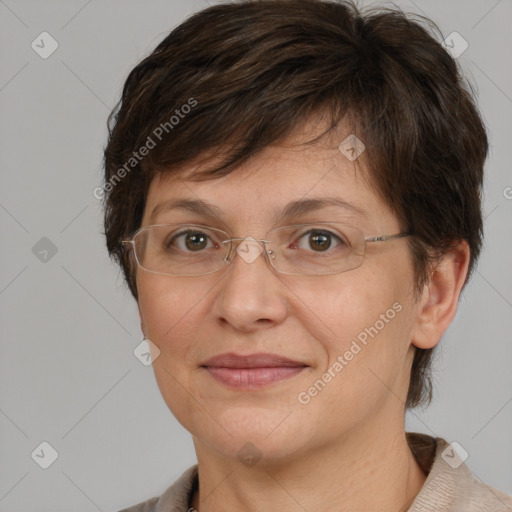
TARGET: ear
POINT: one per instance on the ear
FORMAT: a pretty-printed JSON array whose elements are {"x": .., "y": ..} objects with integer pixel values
[{"x": 440, "y": 297}]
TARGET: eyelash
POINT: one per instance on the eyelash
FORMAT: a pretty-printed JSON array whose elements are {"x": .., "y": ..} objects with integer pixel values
[
  {"x": 316, "y": 231},
  {"x": 320, "y": 232}
]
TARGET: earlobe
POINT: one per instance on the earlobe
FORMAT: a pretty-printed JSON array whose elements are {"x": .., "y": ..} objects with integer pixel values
[{"x": 440, "y": 298}]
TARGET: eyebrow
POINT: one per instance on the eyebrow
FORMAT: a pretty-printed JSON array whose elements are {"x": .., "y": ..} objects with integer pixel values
[{"x": 292, "y": 209}]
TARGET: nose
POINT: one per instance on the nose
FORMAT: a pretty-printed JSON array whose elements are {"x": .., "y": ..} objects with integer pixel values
[{"x": 251, "y": 295}]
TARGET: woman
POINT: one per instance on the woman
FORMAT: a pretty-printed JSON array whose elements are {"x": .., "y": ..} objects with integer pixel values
[{"x": 296, "y": 217}]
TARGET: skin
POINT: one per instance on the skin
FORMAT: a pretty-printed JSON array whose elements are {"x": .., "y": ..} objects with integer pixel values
[{"x": 346, "y": 449}]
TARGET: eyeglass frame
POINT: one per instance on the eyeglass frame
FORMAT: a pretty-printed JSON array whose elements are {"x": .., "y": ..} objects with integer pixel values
[{"x": 370, "y": 239}]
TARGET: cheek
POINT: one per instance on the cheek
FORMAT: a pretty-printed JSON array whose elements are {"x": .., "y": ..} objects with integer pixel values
[
  {"x": 172, "y": 313},
  {"x": 339, "y": 310},
  {"x": 363, "y": 331}
]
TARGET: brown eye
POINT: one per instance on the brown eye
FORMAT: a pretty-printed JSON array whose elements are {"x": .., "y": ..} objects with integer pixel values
[
  {"x": 189, "y": 241},
  {"x": 320, "y": 240}
]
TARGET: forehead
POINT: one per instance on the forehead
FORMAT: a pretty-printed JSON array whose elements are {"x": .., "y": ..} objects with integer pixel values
[{"x": 283, "y": 180}]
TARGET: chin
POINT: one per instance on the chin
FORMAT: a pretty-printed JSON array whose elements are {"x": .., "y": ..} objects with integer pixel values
[{"x": 255, "y": 435}]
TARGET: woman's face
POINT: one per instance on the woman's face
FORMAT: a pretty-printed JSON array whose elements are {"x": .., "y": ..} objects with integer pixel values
[{"x": 350, "y": 331}]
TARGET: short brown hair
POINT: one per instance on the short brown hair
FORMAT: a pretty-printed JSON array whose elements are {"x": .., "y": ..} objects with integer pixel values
[{"x": 253, "y": 71}]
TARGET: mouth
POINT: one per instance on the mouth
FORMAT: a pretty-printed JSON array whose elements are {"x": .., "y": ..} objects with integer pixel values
[{"x": 252, "y": 371}]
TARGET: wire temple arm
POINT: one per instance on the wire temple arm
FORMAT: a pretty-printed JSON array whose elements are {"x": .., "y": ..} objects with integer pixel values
[{"x": 383, "y": 238}]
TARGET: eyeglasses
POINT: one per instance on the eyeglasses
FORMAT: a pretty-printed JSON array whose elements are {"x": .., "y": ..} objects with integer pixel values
[{"x": 302, "y": 249}]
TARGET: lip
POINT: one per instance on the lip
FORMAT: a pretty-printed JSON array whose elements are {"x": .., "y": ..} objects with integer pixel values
[
  {"x": 251, "y": 371},
  {"x": 260, "y": 360}
]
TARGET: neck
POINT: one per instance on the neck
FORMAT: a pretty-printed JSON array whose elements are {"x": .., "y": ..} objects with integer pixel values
[{"x": 358, "y": 473}]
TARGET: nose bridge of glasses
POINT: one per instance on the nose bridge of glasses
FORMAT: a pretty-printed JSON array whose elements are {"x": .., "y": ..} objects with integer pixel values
[{"x": 248, "y": 248}]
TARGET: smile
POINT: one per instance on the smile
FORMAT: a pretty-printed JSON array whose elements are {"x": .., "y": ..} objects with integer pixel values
[{"x": 251, "y": 371}]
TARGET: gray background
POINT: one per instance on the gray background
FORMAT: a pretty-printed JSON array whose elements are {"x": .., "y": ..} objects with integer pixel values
[{"x": 68, "y": 326}]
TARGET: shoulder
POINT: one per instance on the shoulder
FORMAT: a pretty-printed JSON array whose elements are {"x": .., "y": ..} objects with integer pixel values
[
  {"x": 175, "y": 498},
  {"x": 451, "y": 486}
]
